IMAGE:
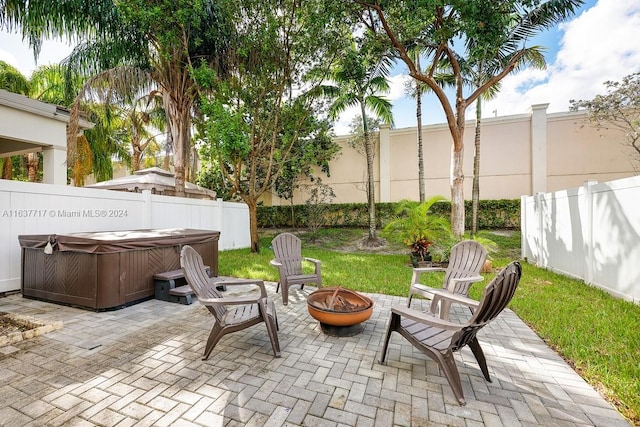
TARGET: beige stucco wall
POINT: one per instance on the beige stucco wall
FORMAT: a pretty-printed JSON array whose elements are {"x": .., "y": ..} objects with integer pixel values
[
  {"x": 567, "y": 153},
  {"x": 579, "y": 153}
]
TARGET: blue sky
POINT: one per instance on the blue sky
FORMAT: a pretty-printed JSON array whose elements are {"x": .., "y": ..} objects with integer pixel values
[{"x": 602, "y": 42}]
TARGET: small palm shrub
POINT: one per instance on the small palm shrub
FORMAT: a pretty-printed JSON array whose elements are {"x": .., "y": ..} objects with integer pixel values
[{"x": 414, "y": 226}]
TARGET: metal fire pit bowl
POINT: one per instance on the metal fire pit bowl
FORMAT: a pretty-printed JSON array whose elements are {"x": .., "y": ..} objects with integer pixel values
[{"x": 341, "y": 312}]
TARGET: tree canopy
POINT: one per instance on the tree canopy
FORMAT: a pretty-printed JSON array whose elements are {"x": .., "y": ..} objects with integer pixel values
[
  {"x": 262, "y": 115},
  {"x": 457, "y": 30},
  {"x": 619, "y": 109},
  {"x": 161, "y": 39}
]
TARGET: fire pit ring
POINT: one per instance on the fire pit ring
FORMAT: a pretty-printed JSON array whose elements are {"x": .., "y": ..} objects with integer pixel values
[{"x": 341, "y": 312}]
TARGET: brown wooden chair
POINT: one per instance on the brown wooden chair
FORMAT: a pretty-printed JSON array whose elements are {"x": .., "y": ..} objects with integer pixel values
[
  {"x": 246, "y": 311},
  {"x": 287, "y": 250},
  {"x": 439, "y": 338},
  {"x": 465, "y": 262}
]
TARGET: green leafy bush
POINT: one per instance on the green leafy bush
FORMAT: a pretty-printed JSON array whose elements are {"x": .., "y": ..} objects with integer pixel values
[{"x": 493, "y": 214}]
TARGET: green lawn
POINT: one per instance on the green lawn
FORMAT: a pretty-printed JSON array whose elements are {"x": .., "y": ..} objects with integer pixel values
[{"x": 597, "y": 334}]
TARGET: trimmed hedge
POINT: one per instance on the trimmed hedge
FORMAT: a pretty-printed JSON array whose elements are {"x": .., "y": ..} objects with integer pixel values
[{"x": 493, "y": 214}]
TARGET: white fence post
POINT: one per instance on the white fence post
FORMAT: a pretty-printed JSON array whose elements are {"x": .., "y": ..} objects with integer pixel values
[
  {"x": 541, "y": 247},
  {"x": 147, "y": 209},
  {"x": 588, "y": 238}
]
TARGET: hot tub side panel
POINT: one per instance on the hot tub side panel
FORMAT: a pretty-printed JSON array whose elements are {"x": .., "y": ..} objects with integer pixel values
[
  {"x": 127, "y": 277},
  {"x": 103, "y": 280},
  {"x": 67, "y": 277}
]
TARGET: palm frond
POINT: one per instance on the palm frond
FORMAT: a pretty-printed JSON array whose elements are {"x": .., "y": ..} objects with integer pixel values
[
  {"x": 12, "y": 80},
  {"x": 381, "y": 107}
]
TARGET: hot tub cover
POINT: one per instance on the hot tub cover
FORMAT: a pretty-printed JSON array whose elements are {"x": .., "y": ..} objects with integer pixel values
[{"x": 117, "y": 241}]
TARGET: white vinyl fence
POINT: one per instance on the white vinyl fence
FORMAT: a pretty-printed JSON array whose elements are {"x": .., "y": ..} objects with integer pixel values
[
  {"x": 27, "y": 208},
  {"x": 591, "y": 233}
]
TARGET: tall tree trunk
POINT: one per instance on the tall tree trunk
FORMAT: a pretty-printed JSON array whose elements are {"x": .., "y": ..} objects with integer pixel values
[
  {"x": 178, "y": 110},
  {"x": 457, "y": 171},
  {"x": 32, "y": 166},
  {"x": 457, "y": 191},
  {"x": 166, "y": 164},
  {"x": 7, "y": 168},
  {"x": 421, "y": 184},
  {"x": 253, "y": 224},
  {"x": 135, "y": 159},
  {"x": 475, "y": 195},
  {"x": 371, "y": 197}
]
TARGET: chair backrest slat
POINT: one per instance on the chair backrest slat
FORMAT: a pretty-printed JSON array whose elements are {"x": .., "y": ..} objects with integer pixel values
[
  {"x": 196, "y": 275},
  {"x": 287, "y": 249},
  {"x": 465, "y": 260},
  {"x": 495, "y": 298}
]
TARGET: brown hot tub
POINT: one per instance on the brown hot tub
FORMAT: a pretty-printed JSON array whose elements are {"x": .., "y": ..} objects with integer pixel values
[{"x": 110, "y": 269}]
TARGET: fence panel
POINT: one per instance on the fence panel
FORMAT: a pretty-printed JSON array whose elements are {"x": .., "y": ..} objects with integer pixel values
[
  {"x": 591, "y": 233},
  {"x": 27, "y": 208}
]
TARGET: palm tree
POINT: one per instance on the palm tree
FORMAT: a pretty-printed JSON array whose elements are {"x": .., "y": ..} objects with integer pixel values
[
  {"x": 11, "y": 80},
  {"x": 56, "y": 84},
  {"x": 359, "y": 77},
  {"x": 415, "y": 89},
  {"x": 419, "y": 90},
  {"x": 130, "y": 34},
  {"x": 503, "y": 28},
  {"x": 140, "y": 120},
  {"x": 475, "y": 73}
]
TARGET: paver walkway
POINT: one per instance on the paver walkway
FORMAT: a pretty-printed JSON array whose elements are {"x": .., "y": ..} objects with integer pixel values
[{"x": 141, "y": 366}]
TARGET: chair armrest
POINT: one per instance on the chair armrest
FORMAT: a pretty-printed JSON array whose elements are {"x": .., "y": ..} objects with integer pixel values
[
  {"x": 472, "y": 279},
  {"x": 229, "y": 301},
  {"x": 428, "y": 269},
  {"x": 419, "y": 270},
  {"x": 317, "y": 264},
  {"x": 467, "y": 281},
  {"x": 425, "y": 318},
  {"x": 419, "y": 288},
  {"x": 313, "y": 260},
  {"x": 456, "y": 298},
  {"x": 281, "y": 269},
  {"x": 238, "y": 282}
]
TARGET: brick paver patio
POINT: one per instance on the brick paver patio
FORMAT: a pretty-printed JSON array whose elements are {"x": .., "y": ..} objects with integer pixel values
[{"x": 141, "y": 366}]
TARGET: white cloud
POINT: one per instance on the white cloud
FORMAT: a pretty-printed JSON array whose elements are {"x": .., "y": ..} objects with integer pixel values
[
  {"x": 599, "y": 45},
  {"x": 16, "y": 52}
]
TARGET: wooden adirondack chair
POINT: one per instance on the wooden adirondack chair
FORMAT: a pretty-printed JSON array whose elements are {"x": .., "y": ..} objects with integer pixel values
[
  {"x": 287, "y": 250},
  {"x": 439, "y": 338},
  {"x": 465, "y": 262},
  {"x": 231, "y": 314}
]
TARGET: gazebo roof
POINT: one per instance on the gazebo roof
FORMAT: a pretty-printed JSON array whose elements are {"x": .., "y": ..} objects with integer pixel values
[{"x": 158, "y": 181}]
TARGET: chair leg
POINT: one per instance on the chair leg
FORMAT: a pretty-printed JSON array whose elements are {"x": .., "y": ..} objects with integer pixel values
[
  {"x": 277, "y": 287},
  {"x": 271, "y": 324},
  {"x": 273, "y": 334},
  {"x": 448, "y": 364},
  {"x": 285, "y": 293},
  {"x": 394, "y": 322},
  {"x": 445, "y": 306},
  {"x": 214, "y": 337},
  {"x": 474, "y": 345}
]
